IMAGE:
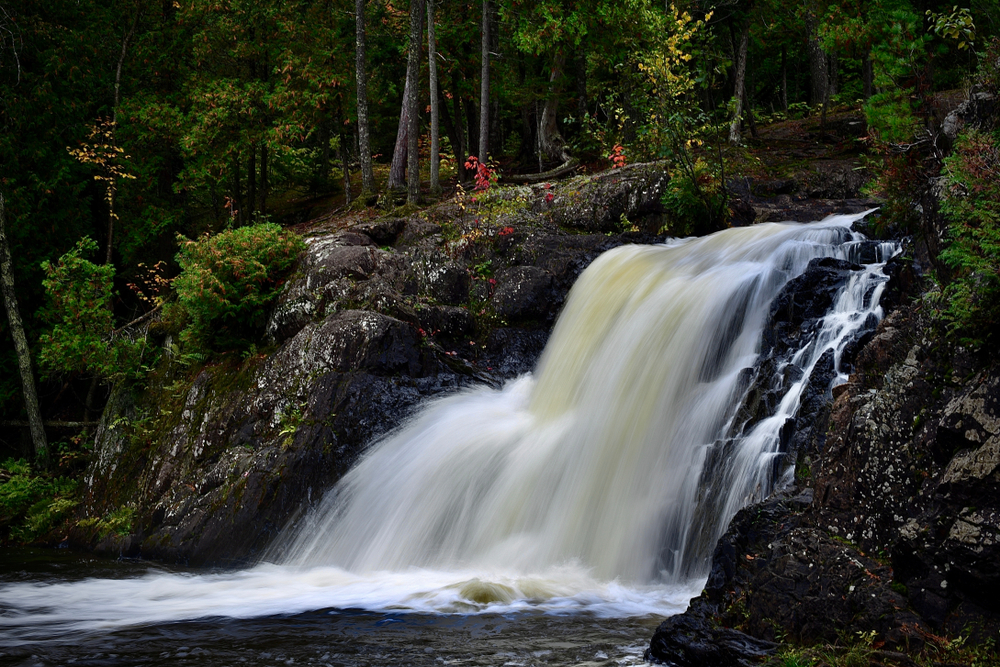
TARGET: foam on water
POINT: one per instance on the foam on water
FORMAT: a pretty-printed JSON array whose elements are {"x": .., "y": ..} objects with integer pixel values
[{"x": 35, "y": 611}]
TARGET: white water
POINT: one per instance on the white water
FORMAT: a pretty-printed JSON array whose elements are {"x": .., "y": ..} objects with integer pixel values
[{"x": 573, "y": 489}]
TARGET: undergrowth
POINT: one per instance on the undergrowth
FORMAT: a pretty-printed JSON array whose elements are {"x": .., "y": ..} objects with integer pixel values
[
  {"x": 971, "y": 206},
  {"x": 971, "y": 301},
  {"x": 863, "y": 649},
  {"x": 32, "y": 502}
]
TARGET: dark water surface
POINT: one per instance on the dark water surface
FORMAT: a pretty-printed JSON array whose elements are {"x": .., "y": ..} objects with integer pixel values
[{"x": 322, "y": 637}]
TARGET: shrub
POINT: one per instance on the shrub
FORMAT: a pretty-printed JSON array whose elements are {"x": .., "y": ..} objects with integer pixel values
[
  {"x": 972, "y": 208},
  {"x": 695, "y": 200},
  {"x": 228, "y": 280},
  {"x": 79, "y": 296},
  {"x": 31, "y": 504},
  {"x": 893, "y": 113}
]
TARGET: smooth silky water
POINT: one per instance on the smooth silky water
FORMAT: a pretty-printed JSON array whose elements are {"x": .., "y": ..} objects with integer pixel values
[{"x": 554, "y": 521}]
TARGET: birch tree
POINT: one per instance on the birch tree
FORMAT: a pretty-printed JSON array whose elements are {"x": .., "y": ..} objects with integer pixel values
[
  {"x": 38, "y": 439},
  {"x": 435, "y": 184}
]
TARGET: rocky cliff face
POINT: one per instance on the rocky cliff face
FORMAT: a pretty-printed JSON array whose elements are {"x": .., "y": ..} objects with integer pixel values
[
  {"x": 892, "y": 527},
  {"x": 381, "y": 314}
]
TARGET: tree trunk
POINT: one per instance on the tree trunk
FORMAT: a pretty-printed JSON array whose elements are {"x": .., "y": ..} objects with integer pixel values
[
  {"x": 455, "y": 134},
  {"x": 538, "y": 139},
  {"x": 581, "y": 84},
  {"x": 751, "y": 121},
  {"x": 484, "y": 89},
  {"x": 552, "y": 143},
  {"x": 112, "y": 186},
  {"x": 264, "y": 183},
  {"x": 739, "y": 85},
  {"x": 784, "y": 79},
  {"x": 412, "y": 74},
  {"x": 322, "y": 166},
  {"x": 472, "y": 125},
  {"x": 346, "y": 167},
  {"x": 868, "y": 76},
  {"x": 397, "y": 169},
  {"x": 435, "y": 124},
  {"x": 21, "y": 346},
  {"x": 834, "y": 81},
  {"x": 364, "y": 140},
  {"x": 818, "y": 68},
  {"x": 252, "y": 182}
]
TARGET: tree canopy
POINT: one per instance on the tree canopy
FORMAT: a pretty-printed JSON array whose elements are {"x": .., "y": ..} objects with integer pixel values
[{"x": 131, "y": 123}]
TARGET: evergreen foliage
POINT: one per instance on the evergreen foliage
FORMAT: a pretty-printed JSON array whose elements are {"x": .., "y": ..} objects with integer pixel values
[
  {"x": 228, "y": 280},
  {"x": 972, "y": 207},
  {"x": 32, "y": 503},
  {"x": 80, "y": 319}
]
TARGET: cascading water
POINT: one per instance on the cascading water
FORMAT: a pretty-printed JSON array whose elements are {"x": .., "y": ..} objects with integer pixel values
[
  {"x": 579, "y": 487},
  {"x": 596, "y": 458}
]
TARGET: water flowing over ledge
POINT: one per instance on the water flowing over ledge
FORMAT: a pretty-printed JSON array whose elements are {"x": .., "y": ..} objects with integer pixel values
[{"x": 597, "y": 484}]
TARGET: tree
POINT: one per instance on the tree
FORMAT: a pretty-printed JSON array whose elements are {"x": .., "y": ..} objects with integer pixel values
[
  {"x": 413, "y": 115},
  {"x": 405, "y": 159},
  {"x": 21, "y": 345},
  {"x": 435, "y": 183},
  {"x": 818, "y": 65},
  {"x": 397, "y": 168},
  {"x": 364, "y": 140},
  {"x": 484, "y": 89},
  {"x": 739, "y": 87},
  {"x": 112, "y": 184}
]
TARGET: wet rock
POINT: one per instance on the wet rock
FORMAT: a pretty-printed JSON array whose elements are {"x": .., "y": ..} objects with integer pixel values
[
  {"x": 416, "y": 231},
  {"x": 687, "y": 641},
  {"x": 523, "y": 293},
  {"x": 326, "y": 273},
  {"x": 512, "y": 352},
  {"x": 215, "y": 462},
  {"x": 839, "y": 183},
  {"x": 911, "y": 470},
  {"x": 383, "y": 231},
  {"x": 597, "y": 204},
  {"x": 447, "y": 321},
  {"x": 805, "y": 300},
  {"x": 952, "y": 544},
  {"x": 447, "y": 283}
]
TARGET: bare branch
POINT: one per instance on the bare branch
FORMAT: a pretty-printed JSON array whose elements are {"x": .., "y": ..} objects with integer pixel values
[{"x": 9, "y": 32}]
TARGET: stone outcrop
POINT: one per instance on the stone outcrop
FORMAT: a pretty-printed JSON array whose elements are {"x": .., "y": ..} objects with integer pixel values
[
  {"x": 893, "y": 531},
  {"x": 378, "y": 316}
]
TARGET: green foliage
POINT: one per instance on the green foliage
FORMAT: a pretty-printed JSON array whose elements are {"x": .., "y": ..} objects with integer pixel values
[
  {"x": 972, "y": 208},
  {"x": 695, "y": 200},
  {"x": 899, "y": 58},
  {"x": 958, "y": 26},
  {"x": 897, "y": 181},
  {"x": 862, "y": 650},
  {"x": 960, "y": 651},
  {"x": 81, "y": 321},
  {"x": 228, "y": 280},
  {"x": 848, "y": 651},
  {"x": 32, "y": 503},
  {"x": 116, "y": 522}
]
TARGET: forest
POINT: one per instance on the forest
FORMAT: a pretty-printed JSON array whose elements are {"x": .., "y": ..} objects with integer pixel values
[{"x": 134, "y": 131}]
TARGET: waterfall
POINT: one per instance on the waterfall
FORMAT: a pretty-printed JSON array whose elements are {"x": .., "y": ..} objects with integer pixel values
[
  {"x": 596, "y": 458},
  {"x": 599, "y": 483}
]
